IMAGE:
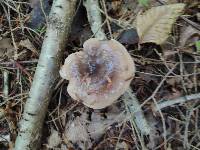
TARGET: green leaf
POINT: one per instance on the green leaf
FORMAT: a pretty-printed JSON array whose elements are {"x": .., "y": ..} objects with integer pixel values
[
  {"x": 143, "y": 2},
  {"x": 197, "y": 44}
]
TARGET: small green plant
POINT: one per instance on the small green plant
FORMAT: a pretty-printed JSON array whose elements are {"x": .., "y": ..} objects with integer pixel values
[
  {"x": 197, "y": 44},
  {"x": 144, "y": 2},
  {"x": 41, "y": 29}
]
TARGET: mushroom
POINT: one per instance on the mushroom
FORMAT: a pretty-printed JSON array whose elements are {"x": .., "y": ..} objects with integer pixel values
[{"x": 99, "y": 74}]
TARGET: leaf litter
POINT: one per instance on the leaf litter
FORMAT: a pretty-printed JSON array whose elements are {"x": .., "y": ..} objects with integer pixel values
[{"x": 74, "y": 126}]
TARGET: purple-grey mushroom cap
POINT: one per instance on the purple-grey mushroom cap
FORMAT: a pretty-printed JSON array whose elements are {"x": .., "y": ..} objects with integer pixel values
[{"x": 99, "y": 74}]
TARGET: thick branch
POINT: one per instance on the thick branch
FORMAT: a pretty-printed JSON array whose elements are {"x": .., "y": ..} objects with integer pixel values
[
  {"x": 94, "y": 18},
  {"x": 46, "y": 74}
]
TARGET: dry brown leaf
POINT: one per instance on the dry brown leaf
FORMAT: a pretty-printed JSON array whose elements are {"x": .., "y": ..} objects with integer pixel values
[
  {"x": 155, "y": 24},
  {"x": 54, "y": 139},
  {"x": 98, "y": 125},
  {"x": 81, "y": 131},
  {"x": 5, "y": 43},
  {"x": 76, "y": 132},
  {"x": 188, "y": 35},
  {"x": 27, "y": 44},
  {"x": 6, "y": 48}
]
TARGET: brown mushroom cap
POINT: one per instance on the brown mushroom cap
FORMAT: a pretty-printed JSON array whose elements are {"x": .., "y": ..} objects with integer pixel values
[{"x": 99, "y": 74}]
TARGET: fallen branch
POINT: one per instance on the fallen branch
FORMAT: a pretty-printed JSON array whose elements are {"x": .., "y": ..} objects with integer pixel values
[
  {"x": 166, "y": 103},
  {"x": 5, "y": 84},
  {"x": 5, "y": 91},
  {"x": 46, "y": 74},
  {"x": 134, "y": 108},
  {"x": 94, "y": 17}
]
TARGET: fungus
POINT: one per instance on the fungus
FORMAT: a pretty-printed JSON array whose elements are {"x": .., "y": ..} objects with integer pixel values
[{"x": 99, "y": 74}]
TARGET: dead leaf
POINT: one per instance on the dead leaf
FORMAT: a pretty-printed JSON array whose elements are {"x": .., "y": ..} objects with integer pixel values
[
  {"x": 128, "y": 37},
  {"x": 122, "y": 145},
  {"x": 155, "y": 24},
  {"x": 82, "y": 131},
  {"x": 173, "y": 81},
  {"x": 2, "y": 113},
  {"x": 27, "y": 44},
  {"x": 116, "y": 5},
  {"x": 76, "y": 132},
  {"x": 188, "y": 35},
  {"x": 154, "y": 138},
  {"x": 98, "y": 125},
  {"x": 6, "y": 48},
  {"x": 54, "y": 139},
  {"x": 5, "y": 43}
]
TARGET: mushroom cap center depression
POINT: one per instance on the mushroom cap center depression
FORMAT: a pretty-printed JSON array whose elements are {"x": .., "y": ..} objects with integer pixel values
[{"x": 96, "y": 69}]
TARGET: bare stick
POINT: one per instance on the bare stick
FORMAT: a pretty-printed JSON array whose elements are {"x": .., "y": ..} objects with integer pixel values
[
  {"x": 94, "y": 18},
  {"x": 5, "y": 84},
  {"x": 179, "y": 100},
  {"x": 107, "y": 20},
  {"x": 46, "y": 74},
  {"x": 21, "y": 62},
  {"x": 5, "y": 91},
  {"x": 136, "y": 112}
]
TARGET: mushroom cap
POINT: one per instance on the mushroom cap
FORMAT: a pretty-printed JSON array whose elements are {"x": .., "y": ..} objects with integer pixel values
[{"x": 99, "y": 74}]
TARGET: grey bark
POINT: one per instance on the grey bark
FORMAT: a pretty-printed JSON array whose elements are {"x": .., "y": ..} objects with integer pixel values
[
  {"x": 46, "y": 74},
  {"x": 94, "y": 18},
  {"x": 171, "y": 102},
  {"x": 136, "y": 112}
]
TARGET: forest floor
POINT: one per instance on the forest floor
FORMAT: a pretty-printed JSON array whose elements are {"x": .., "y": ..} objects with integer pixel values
[{"x": 167, "y": 71}]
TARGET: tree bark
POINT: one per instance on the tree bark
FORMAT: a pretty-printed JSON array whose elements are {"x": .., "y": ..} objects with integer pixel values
[
  {"x": 46, "y": 74},
  {"x": 94, "y": 18}
]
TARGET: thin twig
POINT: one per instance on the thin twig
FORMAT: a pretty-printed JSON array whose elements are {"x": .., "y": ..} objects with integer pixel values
[
  {"x": 107, "y": 20},
  {"x": 10, "y": 26},
  {"x": 159, "y": 86},
  {"x": 163, "y": 122},
  {"x": 21, "y": 62},
  {"x": 187, "y": 122},
  {"x": 171, "y": 102},
  {"x": 5, "y": 84}
]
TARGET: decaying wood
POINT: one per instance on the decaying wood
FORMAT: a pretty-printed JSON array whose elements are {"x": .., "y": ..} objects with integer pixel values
[{"x": 46, "y": 74}]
